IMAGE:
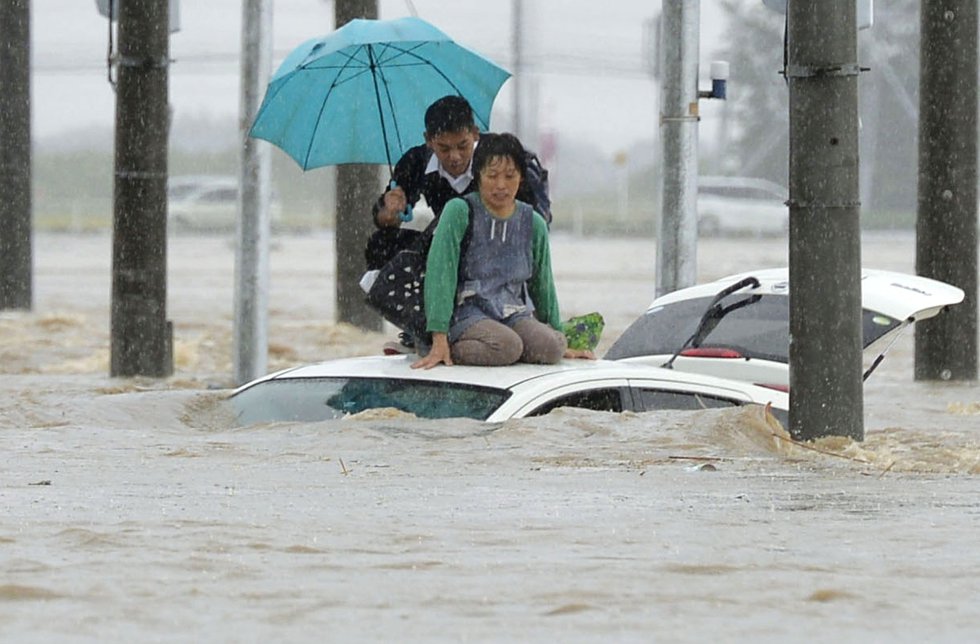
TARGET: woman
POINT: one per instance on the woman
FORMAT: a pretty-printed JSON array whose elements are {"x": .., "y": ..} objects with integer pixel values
[{"x": 489, "y": 293}]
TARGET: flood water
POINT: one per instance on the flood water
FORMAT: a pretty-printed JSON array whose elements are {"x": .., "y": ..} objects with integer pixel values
[{"x": 134, "y": 510}]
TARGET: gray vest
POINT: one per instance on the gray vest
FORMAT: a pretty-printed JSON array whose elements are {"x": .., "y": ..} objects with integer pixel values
[{"x": 494, "y": 268}]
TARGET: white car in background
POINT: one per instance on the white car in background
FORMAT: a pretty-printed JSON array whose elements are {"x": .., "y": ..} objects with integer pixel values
[
  {"x": 738, "y": 326},
  {"x": 337, "y": 388},
  {"x": 203, "y": 203},
  {"x": 741, "y": 206}
]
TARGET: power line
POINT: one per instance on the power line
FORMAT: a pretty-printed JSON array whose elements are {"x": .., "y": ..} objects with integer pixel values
[{"x": 225, "y": 62}]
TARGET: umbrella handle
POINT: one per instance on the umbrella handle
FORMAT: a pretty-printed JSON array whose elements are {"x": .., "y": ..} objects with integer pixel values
[{"x": 407, "y": 214}]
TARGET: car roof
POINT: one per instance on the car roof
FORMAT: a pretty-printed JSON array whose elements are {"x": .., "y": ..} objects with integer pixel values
[
  {"x": 898, "y": 295},
  {"x": 712, "y": 181},
  {"x": 509, "y": 377},
  {"x": 202, "y": 181}
]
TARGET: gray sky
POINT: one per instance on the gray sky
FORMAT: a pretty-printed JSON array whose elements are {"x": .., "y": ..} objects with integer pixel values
[{"x": 586, "y": 59}]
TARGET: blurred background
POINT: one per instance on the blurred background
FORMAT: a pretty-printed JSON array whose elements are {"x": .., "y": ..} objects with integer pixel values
[{"x": 590, "y": 105}]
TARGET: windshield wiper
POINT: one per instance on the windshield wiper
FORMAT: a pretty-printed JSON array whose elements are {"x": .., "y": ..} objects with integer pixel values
[{"x": 714, "y": 313}]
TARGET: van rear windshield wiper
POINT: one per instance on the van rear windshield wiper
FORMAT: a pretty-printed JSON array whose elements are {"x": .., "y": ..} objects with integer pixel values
[{"x": 714, "y": 313}]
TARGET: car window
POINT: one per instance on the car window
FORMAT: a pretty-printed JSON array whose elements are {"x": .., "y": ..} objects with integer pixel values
[
  {"x": 758, "y": 330},
  {"x": 608, "y": 399},
  {"x": 660, "y": 399},
  {"x": 314, "y": 399}
]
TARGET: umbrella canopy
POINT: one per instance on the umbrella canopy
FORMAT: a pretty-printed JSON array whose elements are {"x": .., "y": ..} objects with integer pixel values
[{"x": 359, "y": 94}]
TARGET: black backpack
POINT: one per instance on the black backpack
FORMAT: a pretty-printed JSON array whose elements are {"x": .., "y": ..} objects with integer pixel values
[{"x": 537, "y": 181}]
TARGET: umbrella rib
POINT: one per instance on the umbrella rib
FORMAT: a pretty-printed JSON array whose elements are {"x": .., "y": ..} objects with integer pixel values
[
  {"x": 422, "y": 61},
  {"x": 323, "y": 107},
  {"x": 382, "y": 62},
  {"x": 401, "y": 51},
  {"x": 391, "y": 107},
  {"x": 376, "y": 70}
]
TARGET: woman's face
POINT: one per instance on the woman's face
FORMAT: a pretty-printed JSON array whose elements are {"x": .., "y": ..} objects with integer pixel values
[{"x": 499, "y": 181}]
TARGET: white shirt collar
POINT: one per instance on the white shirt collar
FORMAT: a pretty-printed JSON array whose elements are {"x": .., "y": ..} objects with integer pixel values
[{"x": 460, "y": 183}]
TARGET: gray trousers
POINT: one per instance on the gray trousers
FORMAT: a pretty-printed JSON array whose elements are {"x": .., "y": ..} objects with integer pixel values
[{"x": 489, "y": 343}]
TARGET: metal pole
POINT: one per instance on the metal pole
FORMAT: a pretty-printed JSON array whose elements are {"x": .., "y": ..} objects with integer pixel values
[
  {"x": 142, "y": 337},
  {"x": 357, "y": 187},
  {"x": 252, "y": 251},
  {"x": 16, "y": 255},
  {"x": 677, "y": 245},
  {"x": 517, "y": 49},
  {"x": 824, "y": 236},
  {"x": 946, "y": 227}
]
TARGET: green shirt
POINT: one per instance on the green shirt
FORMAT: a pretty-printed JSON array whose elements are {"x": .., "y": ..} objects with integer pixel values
[{"x": 442, "y": 270}]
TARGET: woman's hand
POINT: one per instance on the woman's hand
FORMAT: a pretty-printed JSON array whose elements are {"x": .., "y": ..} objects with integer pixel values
[
  {"x": 438, "y": 354},
  {"x": 583, "y": 354}
]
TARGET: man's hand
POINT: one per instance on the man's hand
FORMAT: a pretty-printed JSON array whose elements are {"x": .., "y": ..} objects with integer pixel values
[
  {"x": 438, "y": 354},
  {"x": 583, "y": 354},
  {"x": 395, "y": 202}
]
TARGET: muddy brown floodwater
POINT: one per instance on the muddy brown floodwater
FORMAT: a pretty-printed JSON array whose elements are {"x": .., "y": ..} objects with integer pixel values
[{"x": 134, "y": 509}]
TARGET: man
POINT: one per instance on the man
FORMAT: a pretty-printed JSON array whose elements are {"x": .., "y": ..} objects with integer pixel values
[{"x": 439, "y": 170}]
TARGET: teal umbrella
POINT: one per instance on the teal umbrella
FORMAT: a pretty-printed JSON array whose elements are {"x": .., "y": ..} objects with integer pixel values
[{"x": 359, "y": 94}]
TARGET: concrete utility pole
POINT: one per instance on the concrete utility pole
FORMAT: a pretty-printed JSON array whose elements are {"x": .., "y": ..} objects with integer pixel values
[
  {"x": 251, "y": 338},
  {"x": 16, "y": 256},
  {"x": 946, "y": 227},
  {"x": 517, "y": 51},
  {"x": 677, "y": 241},
  {"x": 357, "y": 187},
  {"x": 824, "y": 236},
  {"x": 142, "y": 337}
]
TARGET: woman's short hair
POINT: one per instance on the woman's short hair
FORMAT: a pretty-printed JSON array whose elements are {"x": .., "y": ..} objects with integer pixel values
[{"x": 492, "y": 146}]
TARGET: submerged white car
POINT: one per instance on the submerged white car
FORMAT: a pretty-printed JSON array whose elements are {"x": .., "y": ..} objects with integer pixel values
[
  {"x": 337, "y": 388},
  {"x": 738, "y": 326}
]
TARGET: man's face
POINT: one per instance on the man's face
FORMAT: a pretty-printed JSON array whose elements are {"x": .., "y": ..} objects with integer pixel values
[{"x": 453, "y": 149}]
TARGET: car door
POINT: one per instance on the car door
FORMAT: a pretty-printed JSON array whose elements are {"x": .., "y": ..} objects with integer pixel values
[{"x": 597, "y": 395}]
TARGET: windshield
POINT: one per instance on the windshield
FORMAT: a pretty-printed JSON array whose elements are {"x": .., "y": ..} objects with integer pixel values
[
  {"x": 314, "y": 399},
  {"x": 758, "y": 330}
]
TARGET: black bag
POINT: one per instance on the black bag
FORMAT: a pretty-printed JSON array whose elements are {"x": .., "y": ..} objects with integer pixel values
[
  {"x": 536, "y": 179},
  {"x": 398, "y": 292}
]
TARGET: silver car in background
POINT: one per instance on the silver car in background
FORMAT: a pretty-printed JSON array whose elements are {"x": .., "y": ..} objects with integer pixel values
[
  {"x": 741, "y": 206},
  {"x": 208, "y": 203}
]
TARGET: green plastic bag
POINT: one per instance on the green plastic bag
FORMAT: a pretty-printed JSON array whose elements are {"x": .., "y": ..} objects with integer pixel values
[{"x": 583, "y": 331}]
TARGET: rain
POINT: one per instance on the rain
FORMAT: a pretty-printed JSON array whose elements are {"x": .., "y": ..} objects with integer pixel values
[{"x": 138, "y": 508}]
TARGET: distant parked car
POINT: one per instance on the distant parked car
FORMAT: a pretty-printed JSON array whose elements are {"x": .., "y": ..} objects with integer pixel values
[
  {"x": 741, "y": 206},
  {"x": 208, "y": 203}
]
